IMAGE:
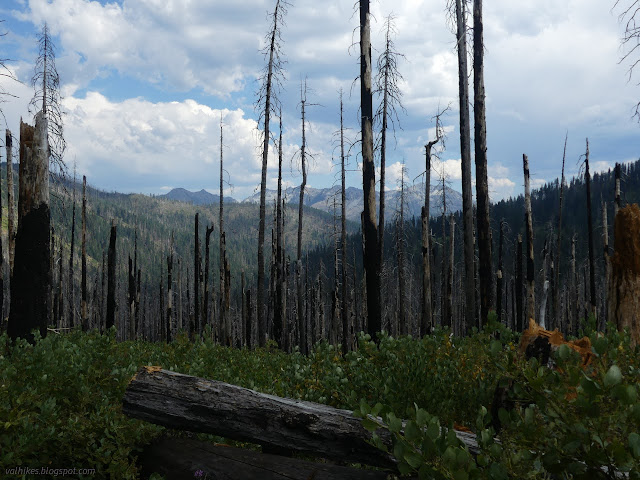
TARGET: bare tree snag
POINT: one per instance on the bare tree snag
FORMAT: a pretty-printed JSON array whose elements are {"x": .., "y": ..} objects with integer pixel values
[
  {"x": 624, "y": 291},
  {"x": 617, "y": 204},
  {"x": 482, "y": 185},
  {"x": 370, "y": 228},
  {"x": 519, "y": 322},
  {"x": 300, "y": 300},
  {"x": 11, "y": 203},
  {"x": 574, "y": 289},
  {"x": 531, "y": 294},
  {"x": 31, "y": 280},
  {"x": 111, "y": 278},
  {"x": 207, "y": 291},
  {"x": 196, "y": 325},
  {"x": 344, "y": 311},
  {"x": 556, "y": 281},
  {"x": 607, "y": 263},
  {"x": 71, "y": 320},
  {"x": 465, "y": 153},
  {"x": 169, "y": 335},
  {"x": 274, "y": 67},
  {"x": 499, "y": 288},
  {"x": 592, "y": 273},
  {"x": 84, "y": 312}
]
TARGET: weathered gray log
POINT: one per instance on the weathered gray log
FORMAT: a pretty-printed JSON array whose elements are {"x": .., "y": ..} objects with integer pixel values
[
  {"x": 190, "y": 403},
  {"x": 181, "y": 458}
]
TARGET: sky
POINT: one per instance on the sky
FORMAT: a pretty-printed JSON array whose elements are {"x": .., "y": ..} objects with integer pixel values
[{"x": 145, "y": 84}]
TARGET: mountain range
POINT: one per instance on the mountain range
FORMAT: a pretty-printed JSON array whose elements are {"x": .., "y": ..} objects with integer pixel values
[{"x": 326, "y": 198}]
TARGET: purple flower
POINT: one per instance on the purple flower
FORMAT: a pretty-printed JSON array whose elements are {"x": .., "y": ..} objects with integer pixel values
[{"x": 198, "y": 474}]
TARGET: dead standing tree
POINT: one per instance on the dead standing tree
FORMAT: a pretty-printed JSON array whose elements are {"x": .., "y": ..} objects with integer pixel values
[
  {"x": 531, "y": 295},
  {"x": 31, "y": 280},
  {"x": 266, "y": 102},
  {"x": 427, "y": 323},
  {"x": 465, "y": 152},
  {"x": 386, "y": 84},
  {"x": 11, "y": 210},
  {"x": 482, "y": 185},
  {"x": 556, "y": 281},
  {"x": 369, "y": 222}
]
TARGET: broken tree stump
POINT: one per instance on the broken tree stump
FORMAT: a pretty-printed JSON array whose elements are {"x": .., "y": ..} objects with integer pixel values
[
  {"x": 190, "y": 403},
  {"x": 624, "y": 286}
]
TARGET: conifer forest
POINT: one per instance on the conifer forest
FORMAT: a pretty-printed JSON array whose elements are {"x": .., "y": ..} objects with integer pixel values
[{"x": 358, "y": 331}]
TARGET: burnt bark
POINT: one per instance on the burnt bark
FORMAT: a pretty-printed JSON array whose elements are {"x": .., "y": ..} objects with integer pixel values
[
  {"x": 370, "y": 228},
  {"x": 111, "y": 278},
  {"x": 592, "y": 264},
  {"x": 84, "y": 312},
  {"x": 531, "y": 294},
  {"x": 31, "y": 280},
  {"x": 11, "y": 203},
  {"x": 482, "y": 185}
]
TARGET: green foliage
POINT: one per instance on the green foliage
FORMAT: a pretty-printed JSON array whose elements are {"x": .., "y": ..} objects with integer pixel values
[
  {"x": 567, "y": 422},
  {"x": 60, "y": 400}
]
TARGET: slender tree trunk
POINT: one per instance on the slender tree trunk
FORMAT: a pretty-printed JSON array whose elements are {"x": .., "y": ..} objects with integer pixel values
[
  {"x": 499, "y": 275},
  {"x": 180, "y": 306},
  {"x": 262, "y": 321},
  {"x": 344, "y": 310},
  {"x": 592, "y": 265},
  {"x": 519, "y": 322},
  {"x": 31, "y": 280},
  {"x": 71, "y": 316},
  {"x": 556, "y": 280},
  {"x": 426, "y": 323},
  {"x": 278, "y": 313},
  {"x": 482, "y": 185},
  {"x": 84, "y": 254},
  {"x": 207, "y": 291},
  {"x": 301, "y": 320},
  {"x": 449, "y": 301},
  {"x": 111, "y": 278},
  {"x": 196, "y": 326},
  {"x": 617, "y": 204},
  {"x": 170, "y": 291},
  {"x": 465, "y": 152},
  {"x": 370, "y": 228},
  {"x": 574, "y": 288},
  {"x": 401, "y": 264},
  {"x": 531, "y": 295},
  {"x": 607, "y": 266},
  {"x": 11, "y": 208},
  {"x": 243, "y": 310},
  {"x": 132, "y": 300},
  {"x": 443, "y": 289},
  {"x": 545, "y": 286}
]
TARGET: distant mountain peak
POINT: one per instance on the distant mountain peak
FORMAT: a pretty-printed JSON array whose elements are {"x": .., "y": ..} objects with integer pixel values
[{"x": 197, "y": 198}]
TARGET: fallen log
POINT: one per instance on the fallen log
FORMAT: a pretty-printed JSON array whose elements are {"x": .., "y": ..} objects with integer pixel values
[
  {"x": 190, "y": 403},
  {"x": 182, "y": 458}
]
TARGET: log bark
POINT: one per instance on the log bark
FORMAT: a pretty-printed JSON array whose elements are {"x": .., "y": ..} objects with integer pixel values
[
  {"x": 180, "y": 458},
  {"x": 190, "y": 403},
  {"x": 31, "y": 279}
]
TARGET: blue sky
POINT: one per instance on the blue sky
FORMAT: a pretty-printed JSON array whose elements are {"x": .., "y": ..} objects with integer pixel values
[{"x": 146, "y": 81}]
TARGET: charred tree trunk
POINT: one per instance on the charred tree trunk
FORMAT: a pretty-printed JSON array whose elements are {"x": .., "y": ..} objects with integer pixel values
[
  {"x": 31, "y": 280},
  {"x": 482, "y": 185},
  {"x": 344, "y": 311},
  {"x": 169, "y": 335},
  {"x": 207, "y": 291},
  {"x": 449, "y": 301},
  {"x": 11, "y": 203},
  {"x": 531, "y": 295},
  {"x": 556, "y": 280},
  {"x": 370, "y": 228},
  {"x": 519, "y": 321},
  {"x": 592, "y": 264},
  {"x": 132, "y": 300},
  {"x": 196, "y": 325},
  {"x": 300, "y": 310},
  {"x": 465, "y": 152},
  {"x": 278, "y": 312},
  {"x": 84, "y": 312},
  {"x": 499, "y": 275},
  {"x": 607, "y": 265},
  {"x": 426, "y": 323},
  {"x": 71, "y": 320},
  {"x": 574, "y": 288},
  {"x": 617, "y": 204},
  {"x": 111, "y": 278}
]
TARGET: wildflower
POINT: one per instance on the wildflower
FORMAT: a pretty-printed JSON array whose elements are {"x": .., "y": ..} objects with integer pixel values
[{"x": 198, "y": 474}]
